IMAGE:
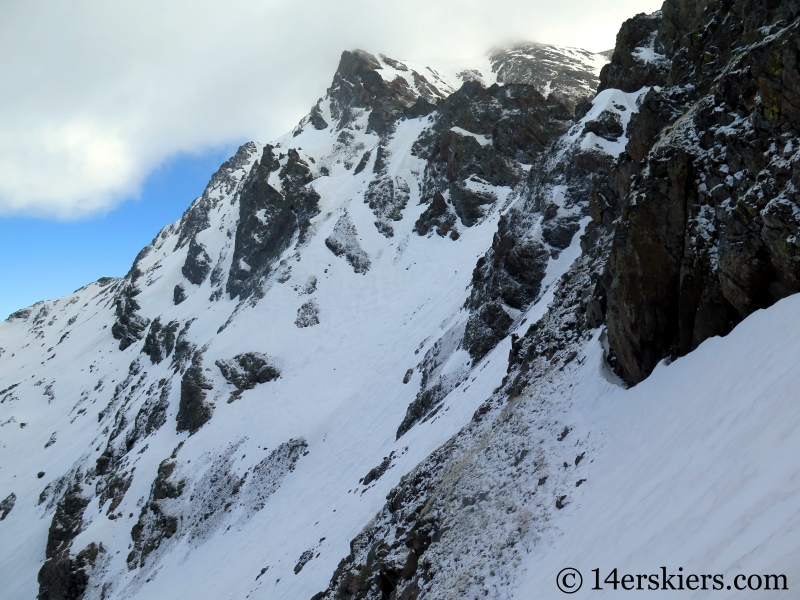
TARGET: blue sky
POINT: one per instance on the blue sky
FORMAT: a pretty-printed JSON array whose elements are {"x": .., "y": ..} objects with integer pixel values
[{"x": 46, "y": 258}]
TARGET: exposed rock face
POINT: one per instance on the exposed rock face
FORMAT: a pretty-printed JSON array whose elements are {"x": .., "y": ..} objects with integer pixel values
[
  {"x": 307, "y": 314},
  {"x": 65, "y": 576},
  {"x": 566, "y": 73},
  {"x": 707, "y": 228},
  {"x": 160, "y": 340},
  {"x": 343, "y": 241},
  {"x": 246, "y": 370},
  {"x": 155, "y": 524},
  {"x": 198, "y": 263},
  {"x": 178, "y": 294},
  {"x": 636, "y": 61},
  {"x": 7, "y": 505},
  {"x": 196, "y": 218},
  {"x": 387, "y": 198},
  {"x": 519, "y": 121},
  {"x": 487, "y": 326},
  {"x": 193, "y": 410},
  {"x": 358, "y": 85},
  {"x": 270, "y": 219},
  {"x": 608, "y": 126},
  {"x": 686, "y": 231},
  {"x": 514, "y": 271},
  {"x": 130, "y": 325},
  {"x": 152, "y": 415},
  {"x": 437, "y": 215},
  {"x": 175, "y": 509}
]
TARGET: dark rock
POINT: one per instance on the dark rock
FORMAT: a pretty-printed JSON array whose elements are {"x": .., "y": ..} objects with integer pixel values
[
  {"x": 183, "y": 348},
  {"x": 437, "y": 215},
  {"x": 63, "y": 576},
  {"x": 196, "y": 218},
  {"x": 193, "y": 410},
  {"x": 304, "y": 558},
  {"x": 155, "y": 523},
  {"x": 376, "y": 472},
  {"x": 7, "y": 505},
  {"x": 160, "y": 340},
  {"x": 129, "y": 325},
  {"x": 269, "y": 219},
  {"x": 582, "y": 107},
  {"x": 512, "y": 271},
  {"x": 67, "y": 577},
  {"x": 151, "y": 416},
  {"x": 468, "y": 203},
  {"x": 387, "y": 197},
  {"x": 607, "y": 125},
  {"x": 558, "y": 232},
  {"x": 307, "y": 314},
  {"x": 162, "y": 486},
  {"x": 198, "y": 263},
  {"x": 362, "y": 164},
  {"x": 484, "y": 329},
  {"x": 626, "y": 71},
  {"x": 696, "y": 250},
  {"x": 357, "y": 86},
  {"x": 546, "y": 68},
  {"x": 316, "y": 119},
  {"x": 245, "y": 371},
  {"x": 178, "y": 294},
  {"x": 381, "y": 158},
  {"x": 422, "y": 406}
]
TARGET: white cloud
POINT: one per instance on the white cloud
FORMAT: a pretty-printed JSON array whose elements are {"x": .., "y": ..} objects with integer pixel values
[{"x": 96, "y": 94}]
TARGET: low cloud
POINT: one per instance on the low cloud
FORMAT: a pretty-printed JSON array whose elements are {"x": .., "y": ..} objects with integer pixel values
[{"x": 97, "y": 94}]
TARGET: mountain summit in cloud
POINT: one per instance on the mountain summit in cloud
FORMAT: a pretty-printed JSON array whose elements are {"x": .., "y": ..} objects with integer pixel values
[{"x": 458, "y": 329}]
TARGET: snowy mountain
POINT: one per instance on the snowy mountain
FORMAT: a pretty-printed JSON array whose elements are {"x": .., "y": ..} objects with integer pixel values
[{"x": 388, "y": 355}]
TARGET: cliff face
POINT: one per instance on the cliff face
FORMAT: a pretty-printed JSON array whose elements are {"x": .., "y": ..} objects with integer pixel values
[
  {"x": 686, "y": 156},
  {"x": 707, "y": 201}
]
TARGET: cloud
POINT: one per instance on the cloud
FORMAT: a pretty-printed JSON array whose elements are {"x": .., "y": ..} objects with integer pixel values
[{"x": 97, "y": 94}]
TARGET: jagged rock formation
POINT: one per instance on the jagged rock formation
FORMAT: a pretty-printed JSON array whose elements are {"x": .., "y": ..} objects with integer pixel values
[
  {"x": 246, "y": 370},
  {"x": 455, "y": 263},
  {"x": 268, "y": 219},
  {"x": 193, "y": 410},
  {"x": 343, "y": 241},
  {"x": 566, "y": 73},
  {"x": 709, "y": 208}
]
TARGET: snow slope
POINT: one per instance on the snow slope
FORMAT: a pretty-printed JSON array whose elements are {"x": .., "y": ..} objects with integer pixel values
[
  {"x": 366, "y": 355},
  {"x": 692, "y": 467},
  {"x": 265, "y": 496}
]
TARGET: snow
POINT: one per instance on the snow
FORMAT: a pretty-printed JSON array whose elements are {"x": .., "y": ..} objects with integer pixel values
[
  {"x": 341, "y": 390},
  {"x": 686, "y": 469},
  {"x": 483, "y": 140},
  {"x": 613, "y": 101},
  {"x": 692, "y": 466}
]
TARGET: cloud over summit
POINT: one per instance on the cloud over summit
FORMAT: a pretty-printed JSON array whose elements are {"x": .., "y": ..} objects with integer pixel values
[{"x": 97, "y": 94}]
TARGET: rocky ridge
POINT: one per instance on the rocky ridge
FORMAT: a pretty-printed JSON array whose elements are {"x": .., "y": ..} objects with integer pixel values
[{"x": 323, "y": 258}]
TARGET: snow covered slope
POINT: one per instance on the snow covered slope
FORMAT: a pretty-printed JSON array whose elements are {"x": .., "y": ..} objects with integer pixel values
[
  {"x": 384, "y": 356},
  {"x": 690, "y": 470},
  {"x": 279, "y": 357}
]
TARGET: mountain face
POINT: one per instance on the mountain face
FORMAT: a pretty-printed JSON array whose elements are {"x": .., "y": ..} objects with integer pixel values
[{"x": 366, "y": 362}]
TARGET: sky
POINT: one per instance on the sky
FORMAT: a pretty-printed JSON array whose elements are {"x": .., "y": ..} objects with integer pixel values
[{"x": 113, "y": 115}]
